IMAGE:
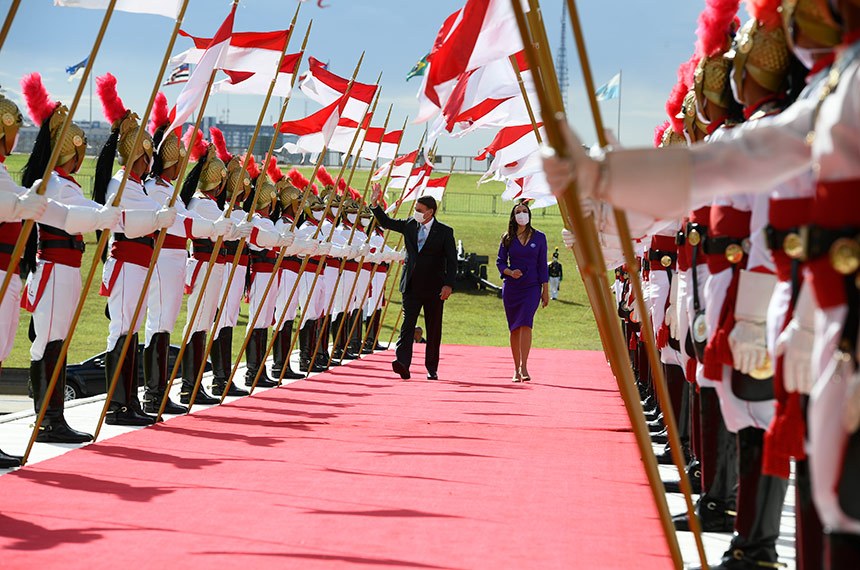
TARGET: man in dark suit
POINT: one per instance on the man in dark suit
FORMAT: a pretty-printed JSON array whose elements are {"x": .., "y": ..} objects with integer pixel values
[{"x": 427, "y": 279}]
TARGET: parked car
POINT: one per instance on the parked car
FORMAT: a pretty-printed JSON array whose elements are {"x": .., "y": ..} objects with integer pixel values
[{"x": 87, "y": 378}]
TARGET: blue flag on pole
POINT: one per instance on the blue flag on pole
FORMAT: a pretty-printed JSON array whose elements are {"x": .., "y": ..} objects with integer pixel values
[
  {"x": 610, "y": 90},
  {"x": 76, "y": 69}
]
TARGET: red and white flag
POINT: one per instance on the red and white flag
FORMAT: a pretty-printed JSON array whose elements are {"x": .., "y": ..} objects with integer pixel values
[
  {"x": 379, "y": 144},
  {"x": 415, "y": 182},
  {"x": 434, "y": 187},
  {"x": 482, "y": 32},
  {"x": 257, "y": 83},
  {"x": 168, "y": 8},
  {"x": 400, "y": 167},
  {"x": 321, "y": 85},
  {"x": 346, "y": 137},
  {"x": 259, "y": 52},
  {"x": 533, "y": 187},
  {"x": 515, "y": 152},
  {"x": 194, "y": 91}
]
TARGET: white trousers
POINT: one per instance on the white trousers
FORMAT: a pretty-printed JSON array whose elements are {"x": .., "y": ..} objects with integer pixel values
[
  {"x": 53, "y": 314},
  {"x": 554, "y": 283},
  {"x": 123, "y": 298},
  {"x": 363, "y": 278},
  {"x": 312, "y": 302},
  {"x": 10, "y": 315},
  {"x": 256, "y": 299},
  {"x": 165, "y": 292},
  {"x": 194, "y": 272},
  {"x": 286, "y": 281},
  {"x": 234, "y": 297},
  {"x": 373, "y": 303}
]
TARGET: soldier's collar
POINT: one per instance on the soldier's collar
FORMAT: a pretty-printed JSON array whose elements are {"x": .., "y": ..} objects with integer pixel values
[
  {"x": 768, "y": 104},
  {"x": 65, "y": 175}
]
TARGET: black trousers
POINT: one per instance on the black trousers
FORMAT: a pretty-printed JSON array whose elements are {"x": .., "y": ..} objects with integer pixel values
[{"x": 412, "y": 305}]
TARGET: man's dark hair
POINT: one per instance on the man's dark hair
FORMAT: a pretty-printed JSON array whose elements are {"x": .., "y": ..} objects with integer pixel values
[{"x": 428, "y": 201}]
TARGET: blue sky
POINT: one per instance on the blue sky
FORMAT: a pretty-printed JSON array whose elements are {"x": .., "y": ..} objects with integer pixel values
[{"x": 647, "y": 39}]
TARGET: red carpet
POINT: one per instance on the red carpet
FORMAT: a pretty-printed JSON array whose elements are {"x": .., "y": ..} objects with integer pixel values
[{"x": 354, "y": 469}]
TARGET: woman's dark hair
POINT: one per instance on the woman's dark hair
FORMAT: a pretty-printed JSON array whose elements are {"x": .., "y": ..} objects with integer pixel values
[{"x": 513, "y": 226}]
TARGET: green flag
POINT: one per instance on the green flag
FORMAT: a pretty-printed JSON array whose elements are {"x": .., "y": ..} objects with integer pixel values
[{"x": 418, "y": 69}]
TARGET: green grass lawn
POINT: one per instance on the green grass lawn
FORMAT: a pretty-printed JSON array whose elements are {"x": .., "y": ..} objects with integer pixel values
[{"x": 471, "y": 317}]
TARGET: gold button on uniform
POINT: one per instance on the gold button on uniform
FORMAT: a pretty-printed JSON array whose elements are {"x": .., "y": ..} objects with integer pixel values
[
  {"x": 734, "y": 253},
  {"x": 845, "y": 256},
  {"x": 764, "y": 371},
  {"x": 695, "y": 238},
  {"x": 792, "y": 245},
  {"x": 665, "y": 261}
]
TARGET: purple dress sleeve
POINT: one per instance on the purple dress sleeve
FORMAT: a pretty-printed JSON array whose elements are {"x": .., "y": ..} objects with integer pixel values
[
  {"x": 502, "y": 259},
  {"x": 542, "y": 267}
]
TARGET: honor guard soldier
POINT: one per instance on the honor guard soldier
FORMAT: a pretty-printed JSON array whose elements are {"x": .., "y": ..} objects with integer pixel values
[
  {"x": 131, "y": 247},
  {"x": 54, "y": 285},
  {"x": 168, "y": 279},
  {"x": 556, "y": 274},
  {"x": 290, "y": 189}
]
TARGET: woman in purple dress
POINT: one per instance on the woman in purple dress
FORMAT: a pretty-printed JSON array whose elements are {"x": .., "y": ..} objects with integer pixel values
[{"x": 523, "y": 267}]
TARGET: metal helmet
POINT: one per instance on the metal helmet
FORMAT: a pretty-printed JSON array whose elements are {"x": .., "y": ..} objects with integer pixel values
[
  {"x": 711, "y": 81},
  {"x": 172, "y": 150},
  {"x": 267, "y": 194},
  {"x": 313, "y": 203},
  {"x": 214, "y": 172},
  {"x": 10, "y": 119},
  {"x": 690, "y": 116},
  {"x": 128, "y": 127},
  {"x": 73, "y": 144},
  {"x": 762, "y": 53},
  {"x": 238, "y": 180},
  {"x": 814, "y": 19},
  {"x": 671, "y": 138}
]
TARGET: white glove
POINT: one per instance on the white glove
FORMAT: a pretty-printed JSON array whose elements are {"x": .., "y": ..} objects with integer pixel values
[
  {"x": 671, "y": 318},
  {"x": 851, "y": 407},
  {"x": 287, "y": 238},
  {"x": 30, "y": 206},
  {"x": 323, "y": 248},
  {"x": 223, "y": 226},
  {"x": 401, "y": 255},
  {"x": 363, "y": 251},
  {"x": 108, "y": 217},
  {"x": 748, "y": 346},
  {"x": 795, "y": 346},
  {"x": 243, "y": 229},
  {"x": 165, "y": 217},
  {"x": 560, "y": 172},
  {"x": 568, "y": 238},
  {"x": 302, "y": 246}
]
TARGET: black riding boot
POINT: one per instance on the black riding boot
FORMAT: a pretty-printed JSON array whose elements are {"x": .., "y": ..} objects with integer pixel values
[
  {"x": 254, "y": 357},
  {"x": 192, "y": 363},
  {"x": 222, "y": 354},
  {"x": 323, "y": 359},
  {"x": 338, "y": 344},
  {"x": 353, "y": 342},
  {"x": 307, "y": 338},
  {"x": 368, "y": 323},
  {"x": 54, "y": 428},
  {"x": 373, "y": 332},
  {"x": 124, "y": 407},
  {"x": 9, "y": 461},
  {"x": 281, "y": 356},
  {"x": 155, "y": 374},
  {"x": 809, "y": 531}
]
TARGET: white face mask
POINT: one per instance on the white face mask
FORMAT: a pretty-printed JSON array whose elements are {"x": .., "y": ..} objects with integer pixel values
[
  {"x": 419, "y": 217},
  {"x": 363, "y": 221},
  {"x": 317, "y": 214},
  {"x": 351, "y": 218},
  {"x": 522, "y": 218},
  {"x": 334, "y": 212}
]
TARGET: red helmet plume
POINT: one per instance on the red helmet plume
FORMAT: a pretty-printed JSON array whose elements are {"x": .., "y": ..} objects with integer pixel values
[
  {"x": 341, "y": 186},
  {"x": 659, "y": 132},
  {"x": 274, "y": 172},
  {"x": 353, "y": 193},
  {"x": 676, "y": 97},
  {"x": 297, "y": 179},
  {"x": 220, "y": 144},
  {"x": 39, "y": 104},
  {"x": 200, "y": 144},
  {"x": 315, "y": 189},
  {"x": 324, "y": 177},
  {"x": 716, "y": 26},
  {"x": 160, "y": 115},
  {"x": 765, "y": 11},
  {"x": 252, "y": 168},
  {"x": 112, "y": 106}
]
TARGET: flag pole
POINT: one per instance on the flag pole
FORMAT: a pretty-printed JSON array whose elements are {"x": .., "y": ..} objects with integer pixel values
[
  {"x": 7, "y": 24},
  {"x": 241, "y": 245},
  {"x": 621, "y": 221},
  {"x": 322, "y": 264},
  {"x": 327, "y": 316},
  {"x": 27, "y": 227},
  {"x": 304, "y": 264},
  {"x": 283, "y": 250}
]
